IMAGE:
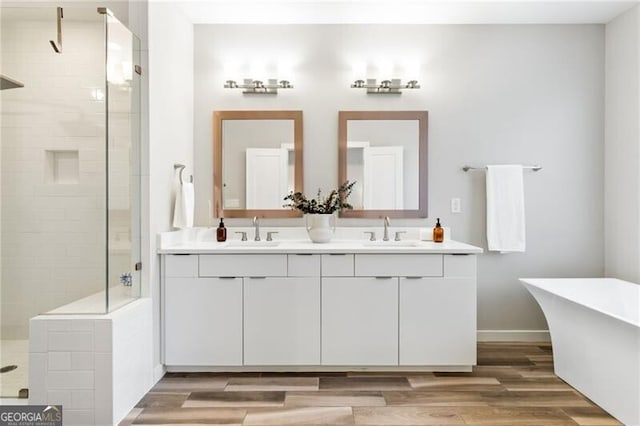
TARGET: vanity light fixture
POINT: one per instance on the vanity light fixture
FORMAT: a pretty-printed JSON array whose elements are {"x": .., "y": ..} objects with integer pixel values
[
  {"x": 393, "y": 86},
  {"x": 251, "y": 86}
]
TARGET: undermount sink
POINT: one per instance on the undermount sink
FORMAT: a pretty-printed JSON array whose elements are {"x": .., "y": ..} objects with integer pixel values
[
  {"x": 390, "y": 243},
  {"x": 253, "y": 243}
]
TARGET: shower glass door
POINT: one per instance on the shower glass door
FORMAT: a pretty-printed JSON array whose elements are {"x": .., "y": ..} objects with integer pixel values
[{"x": 122, "y": 73}]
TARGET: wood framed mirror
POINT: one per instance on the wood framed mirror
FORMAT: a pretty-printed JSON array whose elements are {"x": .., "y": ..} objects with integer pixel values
[
  {"x": 257, "y": 162},
  {"x": 385, "y": 152}
]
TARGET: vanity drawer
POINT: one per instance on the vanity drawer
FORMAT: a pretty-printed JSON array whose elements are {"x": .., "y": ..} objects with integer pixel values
[
  {"x": 337, "y": 265},
  {"x": 456, "y": 265},
  {"x": 402, "y": 265},
  {"x": 303, "y": 265},
  {"x": 244, "y": 265},
  {"x": 181, "y": 265}
]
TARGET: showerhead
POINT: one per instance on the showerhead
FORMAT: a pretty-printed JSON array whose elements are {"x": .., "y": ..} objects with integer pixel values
[{"x": 9, "y": 83}]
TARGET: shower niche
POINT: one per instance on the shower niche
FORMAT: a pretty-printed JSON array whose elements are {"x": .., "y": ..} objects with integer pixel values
[{"x": 61, "y": 167}]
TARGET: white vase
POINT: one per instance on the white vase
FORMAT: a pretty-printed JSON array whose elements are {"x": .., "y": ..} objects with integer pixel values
[{"x": 320, "y": 227}]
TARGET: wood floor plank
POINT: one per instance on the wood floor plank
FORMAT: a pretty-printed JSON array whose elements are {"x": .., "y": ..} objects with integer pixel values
[
  {"x": 591, "y": 416},
  {"x": 545, "y": 358},
  {"x": 536, "y": 371},
  {"x": 435, "y": 398},
  {"x": 503, "y": 358},
  {"x": 494, "y": 416},
  {"x": 498, "y": 371},
  {"x": 182, "y": 383},
  {"x": 162, "y": 400},
  {"x": 535, "y": 399},
  {"x": 273, "y": 384},
  {"x": 406, "y": 416},
  {"x": 543, "y": 384},
  {"x": 163, "y": 416},
  {"x": 304, "y": 374},
  {"x": 389, "y": 373},
  {"x": 365, "y": 383},
  {"x": 456, "y": 383},
  {"x": 300, "y": 415},
  {"x": 334, "y": 399},
  {"x": 235, "y": 399}
]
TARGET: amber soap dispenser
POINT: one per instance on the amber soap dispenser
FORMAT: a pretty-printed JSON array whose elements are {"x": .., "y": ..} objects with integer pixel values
[
  {"x": 438, "y": 232},
  {"x": 221, "y": 232}
]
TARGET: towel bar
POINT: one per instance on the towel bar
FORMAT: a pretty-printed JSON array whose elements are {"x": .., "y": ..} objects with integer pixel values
[{"x": 535, "y": 168}]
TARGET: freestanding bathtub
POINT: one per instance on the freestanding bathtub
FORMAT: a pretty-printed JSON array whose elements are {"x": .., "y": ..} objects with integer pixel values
[{"x": 595, "y": 333}]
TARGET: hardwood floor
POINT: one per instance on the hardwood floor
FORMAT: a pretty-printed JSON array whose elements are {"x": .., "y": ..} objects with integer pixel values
[{"x": 513, "y": 384}]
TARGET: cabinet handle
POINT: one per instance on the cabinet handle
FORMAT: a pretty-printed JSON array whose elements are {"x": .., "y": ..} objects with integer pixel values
[
  {"x": 383, "y": 278},
  {"x": 304, "y": 254},
  {"x": 257, "y": 278},
  {"x": 337, "y": 254},
  {"x": 227, "y": 278},
  {"x": 413, "y": 278},
  {"x": 181, "y": 254}
]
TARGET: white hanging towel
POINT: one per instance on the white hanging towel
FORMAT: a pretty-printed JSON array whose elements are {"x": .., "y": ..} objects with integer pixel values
[
  {"x": 184, "y": 207},
  {"x": 505, "y": 209}
]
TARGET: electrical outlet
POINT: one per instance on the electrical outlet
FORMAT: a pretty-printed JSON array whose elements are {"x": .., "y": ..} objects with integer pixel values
[{"x": 456, "y": 205}]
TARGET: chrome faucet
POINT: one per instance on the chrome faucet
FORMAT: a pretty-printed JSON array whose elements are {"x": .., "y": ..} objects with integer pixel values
[
  {"x": 385, "y": 237},
  {"x": 256, "y": 226}
]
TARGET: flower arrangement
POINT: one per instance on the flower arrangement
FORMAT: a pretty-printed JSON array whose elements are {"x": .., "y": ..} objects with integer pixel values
[{"x": 336, "y": 201}]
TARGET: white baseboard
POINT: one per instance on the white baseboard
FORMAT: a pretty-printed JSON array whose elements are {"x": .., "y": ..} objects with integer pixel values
[
  {"x": 513, "y": 336},
  {"x": 158, "y": 373}
]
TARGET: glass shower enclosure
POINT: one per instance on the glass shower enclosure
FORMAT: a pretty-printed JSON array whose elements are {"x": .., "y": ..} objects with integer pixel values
[{"x": 69, "y": 171}]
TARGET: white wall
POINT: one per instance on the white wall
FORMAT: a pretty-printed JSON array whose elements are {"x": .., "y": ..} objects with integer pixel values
[
  {"x": 170, "y": 127},
  {"x": 622, "y": 147},
  {"x": 530, "y": 94}
]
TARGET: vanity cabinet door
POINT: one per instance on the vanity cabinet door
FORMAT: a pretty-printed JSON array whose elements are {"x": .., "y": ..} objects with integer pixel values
[
  {"x": 438, "y": 321},
  {"x": 360, "y": 321},
  {"x": 282, "y": 321},
  {"x": 203, "y": 321}
]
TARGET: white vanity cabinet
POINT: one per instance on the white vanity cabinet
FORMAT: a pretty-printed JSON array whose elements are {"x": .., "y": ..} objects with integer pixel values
[
  {"x": 282, "y": 321},
  {"x": 282, "y": 315},
  {"x": 202, "y": 316},
  {"x": 360, "y": 321},
  {"x": 316, "y": 309},
  {"x": 253, "y": 310},
  {"x": 437, "y": 315},
  {"x": 400, "y": 309}
]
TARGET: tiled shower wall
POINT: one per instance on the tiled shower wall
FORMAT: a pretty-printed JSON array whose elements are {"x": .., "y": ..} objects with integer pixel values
[{"x": 52, "y": 167}]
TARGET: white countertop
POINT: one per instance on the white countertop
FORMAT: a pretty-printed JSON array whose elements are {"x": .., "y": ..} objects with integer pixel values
[{"x": 202, "y": 241}]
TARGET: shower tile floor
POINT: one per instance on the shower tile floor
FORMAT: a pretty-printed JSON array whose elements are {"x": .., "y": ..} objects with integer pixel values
[{"x": 14, "y": 352}]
